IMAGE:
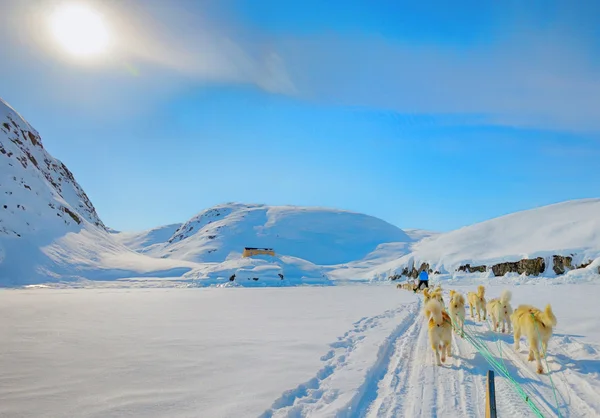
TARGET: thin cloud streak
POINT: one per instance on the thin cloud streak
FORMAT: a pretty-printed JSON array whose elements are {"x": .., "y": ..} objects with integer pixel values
[{"x": 539, "y": 82}]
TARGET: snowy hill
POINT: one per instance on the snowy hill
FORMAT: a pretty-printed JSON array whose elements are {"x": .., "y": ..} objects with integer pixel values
[
  {"x": 544, "y": 237},
  {"x": 419, "y": 234},
  {"x": 49, "y": 229},
  {"x": 318, "y": 235},
  {"x": 143, "y": 241}
]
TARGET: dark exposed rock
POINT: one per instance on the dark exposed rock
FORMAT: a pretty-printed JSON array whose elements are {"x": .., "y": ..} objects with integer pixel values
[
  {"x": 530, "y": 267},
  {"x": 472, "y": 269},
  {"x": 32, "y": 138},
  {"x": 71, "y": 214},
  {"x": 561, "y": 263}
]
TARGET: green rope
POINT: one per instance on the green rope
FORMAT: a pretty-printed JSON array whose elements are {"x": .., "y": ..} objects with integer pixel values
[
  {"x": 498, "y": 343},
  {"x": 501, "y": 369},
  {"x": 547, "y": 368}
]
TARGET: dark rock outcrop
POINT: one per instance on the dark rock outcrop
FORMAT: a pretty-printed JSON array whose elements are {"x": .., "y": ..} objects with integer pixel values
[
  {"x": 472, "y": 269},
  {"x": 530, "y": 267},
  {"x": 561, "y": 264}
]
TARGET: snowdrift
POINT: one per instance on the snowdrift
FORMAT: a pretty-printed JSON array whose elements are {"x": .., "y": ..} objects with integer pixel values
[{"x": 260, "y": 271}]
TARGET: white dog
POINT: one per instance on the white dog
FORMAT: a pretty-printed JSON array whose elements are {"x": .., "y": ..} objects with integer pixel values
[
  {"x": 537, "y": 326},
  {"x": 440, "y": 330},
  {"x": 457, "y": 311},
  {"x": 477, "y": 302},
  {"x": 500, "y": 311}
]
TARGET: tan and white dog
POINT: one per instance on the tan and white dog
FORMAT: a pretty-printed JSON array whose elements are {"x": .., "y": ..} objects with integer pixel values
[
  {"x": 457, "y": 312},
  {"x": 537, "y": 327},
  {"x": 440, "y": 330},
  {"x": 500, "y": 311},
  {"x": 405, "y": 286},
  {"x": 477, "y": 302},
  {"x": 434, "y": 294}
]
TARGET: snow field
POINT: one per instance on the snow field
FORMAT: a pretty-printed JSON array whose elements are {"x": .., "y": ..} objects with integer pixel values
[
  {"x": 180, "y": 352},
  {"x": 344, "y": 351}
]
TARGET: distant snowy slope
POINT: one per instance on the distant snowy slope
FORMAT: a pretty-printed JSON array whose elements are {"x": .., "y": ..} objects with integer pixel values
[
  {"x": 141, "y": 241},
  {"x": 319, "y": 235},
  {"x": 568, "y": 229},
  {"x": 419, "y": 234},
  {"x": 49, "y": 229}
]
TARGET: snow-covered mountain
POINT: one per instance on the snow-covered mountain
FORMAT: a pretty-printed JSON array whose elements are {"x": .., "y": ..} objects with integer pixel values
[
  {"x": 318, "y": 235},
  {"x": 548, "y": 239},
  {"x": 49, "y": 228},
  {"x": 31, "y": 176}
]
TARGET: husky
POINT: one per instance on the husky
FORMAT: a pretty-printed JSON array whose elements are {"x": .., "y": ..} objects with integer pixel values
[{"x": 537, "y": 326}]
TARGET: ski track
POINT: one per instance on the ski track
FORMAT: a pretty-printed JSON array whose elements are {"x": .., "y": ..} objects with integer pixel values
[{"x": 404, "y": 380}]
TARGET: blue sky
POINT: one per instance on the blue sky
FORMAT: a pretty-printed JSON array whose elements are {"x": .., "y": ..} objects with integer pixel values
[{"x": 428, "y": 116}]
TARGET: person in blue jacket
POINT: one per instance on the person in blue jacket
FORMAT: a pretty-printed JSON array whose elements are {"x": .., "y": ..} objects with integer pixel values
[{"x": 423, "y": 279}]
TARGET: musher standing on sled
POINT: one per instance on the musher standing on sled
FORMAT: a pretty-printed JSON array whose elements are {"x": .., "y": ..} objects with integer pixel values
[{"x": 423, "y": 279}]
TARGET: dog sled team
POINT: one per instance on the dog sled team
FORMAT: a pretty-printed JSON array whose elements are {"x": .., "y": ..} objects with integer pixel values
[{"x": 528, "y": 321}]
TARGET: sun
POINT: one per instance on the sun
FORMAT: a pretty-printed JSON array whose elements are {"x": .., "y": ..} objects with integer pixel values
[{"x": 79, "y": 30}]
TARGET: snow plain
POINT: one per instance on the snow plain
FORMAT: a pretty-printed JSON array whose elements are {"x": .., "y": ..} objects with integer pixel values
[
  {"x": 347, "y": 351},
  {"x": 173, "y": 352}
]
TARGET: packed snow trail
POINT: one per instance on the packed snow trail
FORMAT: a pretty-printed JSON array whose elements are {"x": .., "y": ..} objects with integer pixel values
[{"x": 404, "y": 380}]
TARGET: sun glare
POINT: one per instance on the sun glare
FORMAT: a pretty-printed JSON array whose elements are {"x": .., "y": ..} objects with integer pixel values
[{"x": 79, "y": 30}]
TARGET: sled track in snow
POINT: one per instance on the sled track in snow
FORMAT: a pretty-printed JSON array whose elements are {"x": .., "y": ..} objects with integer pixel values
[
  {"x": 415, "y": 386},
  {"x": 403, "y": 380},
  {"x": 368, "y": 391},
  {"x": 314, "y": 396}
]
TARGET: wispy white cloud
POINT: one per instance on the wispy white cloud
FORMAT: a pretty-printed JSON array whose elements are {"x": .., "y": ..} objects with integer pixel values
[
  {"x": 157, "y": 48},
  {"x": 171, "y": 37},
  {"x": 537, "y": 80},
  {"x": 530, "y": 76}
]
